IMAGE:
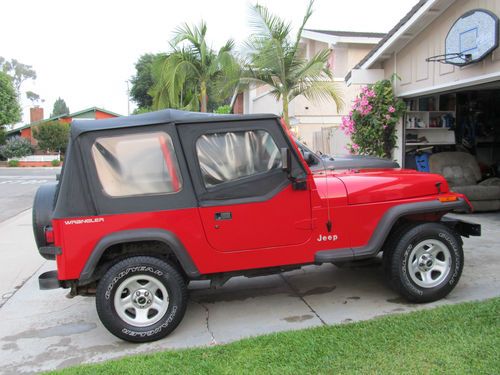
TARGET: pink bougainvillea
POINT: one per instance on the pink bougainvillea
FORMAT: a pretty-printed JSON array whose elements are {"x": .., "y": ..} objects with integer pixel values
[{"x": 372, "y": 120}]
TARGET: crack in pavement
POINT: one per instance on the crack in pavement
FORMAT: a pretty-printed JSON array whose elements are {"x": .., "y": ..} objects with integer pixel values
[
  {"x": 207, "y": 322},
  {"x": 296, "y": 292},
  {"x": 7, "y": 296}
]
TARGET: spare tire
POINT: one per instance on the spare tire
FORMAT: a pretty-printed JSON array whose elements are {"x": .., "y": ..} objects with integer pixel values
[{"x": 43, "y": 208}]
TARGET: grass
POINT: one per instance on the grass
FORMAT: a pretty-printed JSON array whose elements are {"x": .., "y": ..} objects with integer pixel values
[{"x": 457, "y": 339}]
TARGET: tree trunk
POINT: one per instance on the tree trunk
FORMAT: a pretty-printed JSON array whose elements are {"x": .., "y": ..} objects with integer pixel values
[
  {"x": 203, "y": 94},
  {"x": 285, "y": 111}
]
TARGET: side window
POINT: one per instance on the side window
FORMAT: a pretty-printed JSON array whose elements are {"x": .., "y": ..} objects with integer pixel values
[
  {"x": 137, "y": 164},
  {"x": 229, "y": 156}
]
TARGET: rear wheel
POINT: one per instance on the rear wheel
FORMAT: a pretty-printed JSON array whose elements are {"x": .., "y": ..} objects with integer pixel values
[
  {"x": 141, "y": 299},
  {"x": 425, "y": 263}
]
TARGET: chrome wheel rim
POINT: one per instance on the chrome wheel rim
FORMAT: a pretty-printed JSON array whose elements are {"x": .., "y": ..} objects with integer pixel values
[
  {"x": 141, "y": 300},
  {"x": 429, "y": 263}
]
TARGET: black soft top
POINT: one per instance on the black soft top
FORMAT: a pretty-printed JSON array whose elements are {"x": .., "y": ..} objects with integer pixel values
[{"x": 159, "y": 117}]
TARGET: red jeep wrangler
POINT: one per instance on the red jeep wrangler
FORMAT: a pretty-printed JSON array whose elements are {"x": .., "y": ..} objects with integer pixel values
[{"x": 147, "y": 203}]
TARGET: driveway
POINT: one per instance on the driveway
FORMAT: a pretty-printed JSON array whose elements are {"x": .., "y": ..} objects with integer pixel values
[{"x": 43, "y": 330}]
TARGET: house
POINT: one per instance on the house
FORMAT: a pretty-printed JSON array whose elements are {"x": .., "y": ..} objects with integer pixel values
[
  {"x": 36, "y": 118},
  {"x": 446, "y": 55},
  {"x": 317, "y": 124}
]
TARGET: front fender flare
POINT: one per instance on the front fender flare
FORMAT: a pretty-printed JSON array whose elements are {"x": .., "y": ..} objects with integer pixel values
[
  {"x": 137, "y": 235},
  {"x": 384, "y": 227}
]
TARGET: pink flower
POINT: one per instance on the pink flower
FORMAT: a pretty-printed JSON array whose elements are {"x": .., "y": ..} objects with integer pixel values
[
  {"x": 364, "y": 102},
  {"x": 347, "y": 125},
  {"x": 370, "y": 93},
  {"x": 385, "y": 126},
  {"x": 366, "y": 110},
  {"x": 354, "y": 148},
  {"x": 392, "y": 109}
]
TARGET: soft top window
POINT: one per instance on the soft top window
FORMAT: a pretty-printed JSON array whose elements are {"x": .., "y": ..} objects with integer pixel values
[
  {"x": 137, "y": 164},
  {"x": 227, "y": 156}
]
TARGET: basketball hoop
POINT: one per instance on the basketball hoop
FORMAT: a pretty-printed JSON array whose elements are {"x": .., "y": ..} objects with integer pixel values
[
  {"x": 470, "y": 39},
  {"x": 448, "y": 57}
]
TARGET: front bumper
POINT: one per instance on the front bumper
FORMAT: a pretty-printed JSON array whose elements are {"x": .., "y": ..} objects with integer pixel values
[{"x": 464, "y": 228}]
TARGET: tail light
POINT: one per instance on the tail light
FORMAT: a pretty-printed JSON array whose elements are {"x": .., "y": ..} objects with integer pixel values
[{"x": 49, "y": 235}]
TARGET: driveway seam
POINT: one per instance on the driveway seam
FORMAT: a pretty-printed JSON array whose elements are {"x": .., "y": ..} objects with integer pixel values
[{"x": 296, "y": 292}]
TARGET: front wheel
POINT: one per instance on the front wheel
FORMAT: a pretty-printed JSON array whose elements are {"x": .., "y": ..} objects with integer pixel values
[
  {"x": 141, "y": 299},
  {"x": 425, "y": 264}
]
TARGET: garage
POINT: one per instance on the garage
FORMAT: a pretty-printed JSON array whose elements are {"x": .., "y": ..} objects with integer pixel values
[{"x": 445, "y": 61}]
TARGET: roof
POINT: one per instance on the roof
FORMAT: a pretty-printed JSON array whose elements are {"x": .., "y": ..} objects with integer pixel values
[
  {"x": 360, "y": 34},
  {"x": 91, "y": 109},
  {"x": 347, "y": 37},
  {"x": 159, "y": 117},
  {"x": 54, "y": 118},
  {"x": 429, "y": 9}
]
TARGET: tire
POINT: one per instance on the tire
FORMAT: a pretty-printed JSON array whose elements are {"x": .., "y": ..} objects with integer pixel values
[
  {"x": 426, "y": 263},
  {"x": 43, "y": 208},
  {"x": 153, "y": 299}
]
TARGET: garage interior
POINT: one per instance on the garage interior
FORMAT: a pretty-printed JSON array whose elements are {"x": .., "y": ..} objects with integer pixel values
[{"x": 452, "y": 124}]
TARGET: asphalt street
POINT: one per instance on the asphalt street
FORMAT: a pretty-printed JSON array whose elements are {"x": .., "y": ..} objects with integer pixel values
[{"x": 18, "y": 187}]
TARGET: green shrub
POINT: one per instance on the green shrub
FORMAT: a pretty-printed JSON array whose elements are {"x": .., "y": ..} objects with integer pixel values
[
  {"x": 16, "y": 147},
  {"x": 55, "y": 163},
  {"x": 52, "y": 136},
  {"x": 223, "y": 110},
  {"x": 13, "y": 163}
]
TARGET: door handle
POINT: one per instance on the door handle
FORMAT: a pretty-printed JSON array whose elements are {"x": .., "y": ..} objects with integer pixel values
[{"x": 223, "y": 216}]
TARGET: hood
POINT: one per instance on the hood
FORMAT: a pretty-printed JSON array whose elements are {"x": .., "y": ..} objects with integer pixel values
[{"x": 369, "y": 186}]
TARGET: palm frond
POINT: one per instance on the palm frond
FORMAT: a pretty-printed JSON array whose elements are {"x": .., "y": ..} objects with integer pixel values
[{"x": 308, "y": 14}]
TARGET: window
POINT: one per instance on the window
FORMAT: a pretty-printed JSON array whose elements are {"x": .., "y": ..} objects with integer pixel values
[
  {"x": 230, "y": 156},
  {"x": 137, "y": 164}
]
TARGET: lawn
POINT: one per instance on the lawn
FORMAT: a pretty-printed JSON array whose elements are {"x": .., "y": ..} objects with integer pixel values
[{"x": 457, "y": 339}]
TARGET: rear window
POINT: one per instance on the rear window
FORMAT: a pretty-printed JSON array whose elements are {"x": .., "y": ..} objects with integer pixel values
[
  {"x": 137, "y": 164},
  {"x": 228, "y": 156}
]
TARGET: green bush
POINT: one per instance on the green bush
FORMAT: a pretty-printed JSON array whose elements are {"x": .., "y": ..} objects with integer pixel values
[
  {"x": 223, "y": 109},
  {"x": 16, "y": 147},
  {"x": 55, "y": 163},
  {"x": 52, "y": 136},
  {"x": 13, "y": 163}
]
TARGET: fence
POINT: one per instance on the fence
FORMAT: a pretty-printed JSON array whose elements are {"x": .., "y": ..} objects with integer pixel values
[{"x": 38, "y": 158}]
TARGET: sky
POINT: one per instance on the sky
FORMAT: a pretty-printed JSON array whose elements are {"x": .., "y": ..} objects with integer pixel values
[{"x": 85, "y": 51}]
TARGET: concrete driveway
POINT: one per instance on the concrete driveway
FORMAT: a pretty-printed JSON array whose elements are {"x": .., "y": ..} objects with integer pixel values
[{"x": 43, "y": 330}]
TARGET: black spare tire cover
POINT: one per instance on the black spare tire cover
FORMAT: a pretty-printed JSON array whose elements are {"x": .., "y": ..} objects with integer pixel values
[{"x": 43, "y": 208}]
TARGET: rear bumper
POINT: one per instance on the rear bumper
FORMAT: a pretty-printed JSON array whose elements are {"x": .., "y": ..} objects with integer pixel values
[
  {"x": 49, "y": 252},
  {"x": 48, "y": 280}
]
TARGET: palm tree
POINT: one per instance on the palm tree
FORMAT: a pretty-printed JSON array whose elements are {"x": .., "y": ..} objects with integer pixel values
[
  {"x": 192, "y": 71},
  {"x": 277, "y": 60}
]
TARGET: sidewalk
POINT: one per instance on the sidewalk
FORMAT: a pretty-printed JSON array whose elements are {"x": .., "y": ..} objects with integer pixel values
[{"x": 20, "y": 260}]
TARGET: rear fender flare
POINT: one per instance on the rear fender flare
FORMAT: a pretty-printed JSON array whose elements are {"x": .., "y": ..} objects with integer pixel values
[{"x": 128, "y": 236}]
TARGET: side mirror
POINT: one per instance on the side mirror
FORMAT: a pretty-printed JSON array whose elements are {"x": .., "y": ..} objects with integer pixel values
[
  {"x": 309, "y": 158},
  {"x": 286, "y": 159}
]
